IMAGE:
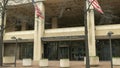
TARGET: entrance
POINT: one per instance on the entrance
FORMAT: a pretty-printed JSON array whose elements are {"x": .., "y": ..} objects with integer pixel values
[
  {"x": 63, "y": 52},
  {"x": 77, "y": 53},
  {"x": 77, "y": 49},
  {"x": 26, "y": 50},
  {"x": 51, "y": 51},
  {"x": 74, "y": 50}
]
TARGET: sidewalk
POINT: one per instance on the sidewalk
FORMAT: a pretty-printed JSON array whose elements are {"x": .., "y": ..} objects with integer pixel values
[{"x": 55, "y": 64}]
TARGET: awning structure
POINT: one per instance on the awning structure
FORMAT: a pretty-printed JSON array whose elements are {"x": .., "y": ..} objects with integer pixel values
[
  {"x": 18, "y": 2},
  {"x": 62, "y": 38}
]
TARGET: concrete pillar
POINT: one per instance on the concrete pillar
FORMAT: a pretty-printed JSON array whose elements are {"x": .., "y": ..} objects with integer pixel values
[
  {"x": 94, "y": 60},
  {"x": 5, "y": 17},
  {"x": 0, "y": 17},
  {"x": 54, "y": 22},
  {"x": 23, "y": 25},
  {"x": 38, "y": 33},
  {"x": 91, "y": 31}
]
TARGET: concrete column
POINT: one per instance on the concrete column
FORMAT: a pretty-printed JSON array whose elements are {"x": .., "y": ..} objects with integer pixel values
[
  {"x": 91, "y": 32},
  {"x": 54, "y": 22},
  {"x": 23, "y": 25},
  {"x": 5, "y": 17},
  {"x": 0, "y": 19},
  {"x": 38, "y": 33}
]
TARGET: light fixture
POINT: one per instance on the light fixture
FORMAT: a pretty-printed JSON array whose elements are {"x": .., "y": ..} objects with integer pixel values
[{"x": 68, "y": 9}]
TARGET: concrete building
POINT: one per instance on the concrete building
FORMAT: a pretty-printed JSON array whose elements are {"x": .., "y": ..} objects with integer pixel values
[{"x": 61, "y": 33}]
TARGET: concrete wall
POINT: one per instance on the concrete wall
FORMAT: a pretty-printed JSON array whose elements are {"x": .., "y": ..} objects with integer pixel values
[
  {"x": 19, "y": 34},
  {"x": 64, "y": 32},
  {"x": 101, "y": 32}
]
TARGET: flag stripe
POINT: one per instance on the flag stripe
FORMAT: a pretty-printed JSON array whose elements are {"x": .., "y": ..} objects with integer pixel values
[
  {"x": 37, "y": 10},
  {"x": 96, "y": 5},
  {"x": 98, "y": 8}
]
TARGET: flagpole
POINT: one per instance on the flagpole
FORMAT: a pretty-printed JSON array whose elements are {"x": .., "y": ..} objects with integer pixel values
[{"x": 86, "y": 36}]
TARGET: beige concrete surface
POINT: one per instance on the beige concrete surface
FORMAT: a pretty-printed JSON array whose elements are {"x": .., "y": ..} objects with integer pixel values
[{"x": 55, "y": 64}]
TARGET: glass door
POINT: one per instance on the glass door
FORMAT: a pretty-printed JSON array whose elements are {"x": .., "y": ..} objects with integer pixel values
[
  {"x": 63, "y": 52},
  {"x": 51, "y": 50},
  {"x": 77, "y": 53},
  {"x": 26, "y": 50}
]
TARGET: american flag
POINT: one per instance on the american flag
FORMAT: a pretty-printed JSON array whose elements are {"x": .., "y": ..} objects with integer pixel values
[
  {"x": 96, "y": 5},
  {"x": 37, "y": 10}
]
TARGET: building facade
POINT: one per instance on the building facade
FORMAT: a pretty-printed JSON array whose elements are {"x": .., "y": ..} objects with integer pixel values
[{"x": 61, "y": 33}]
